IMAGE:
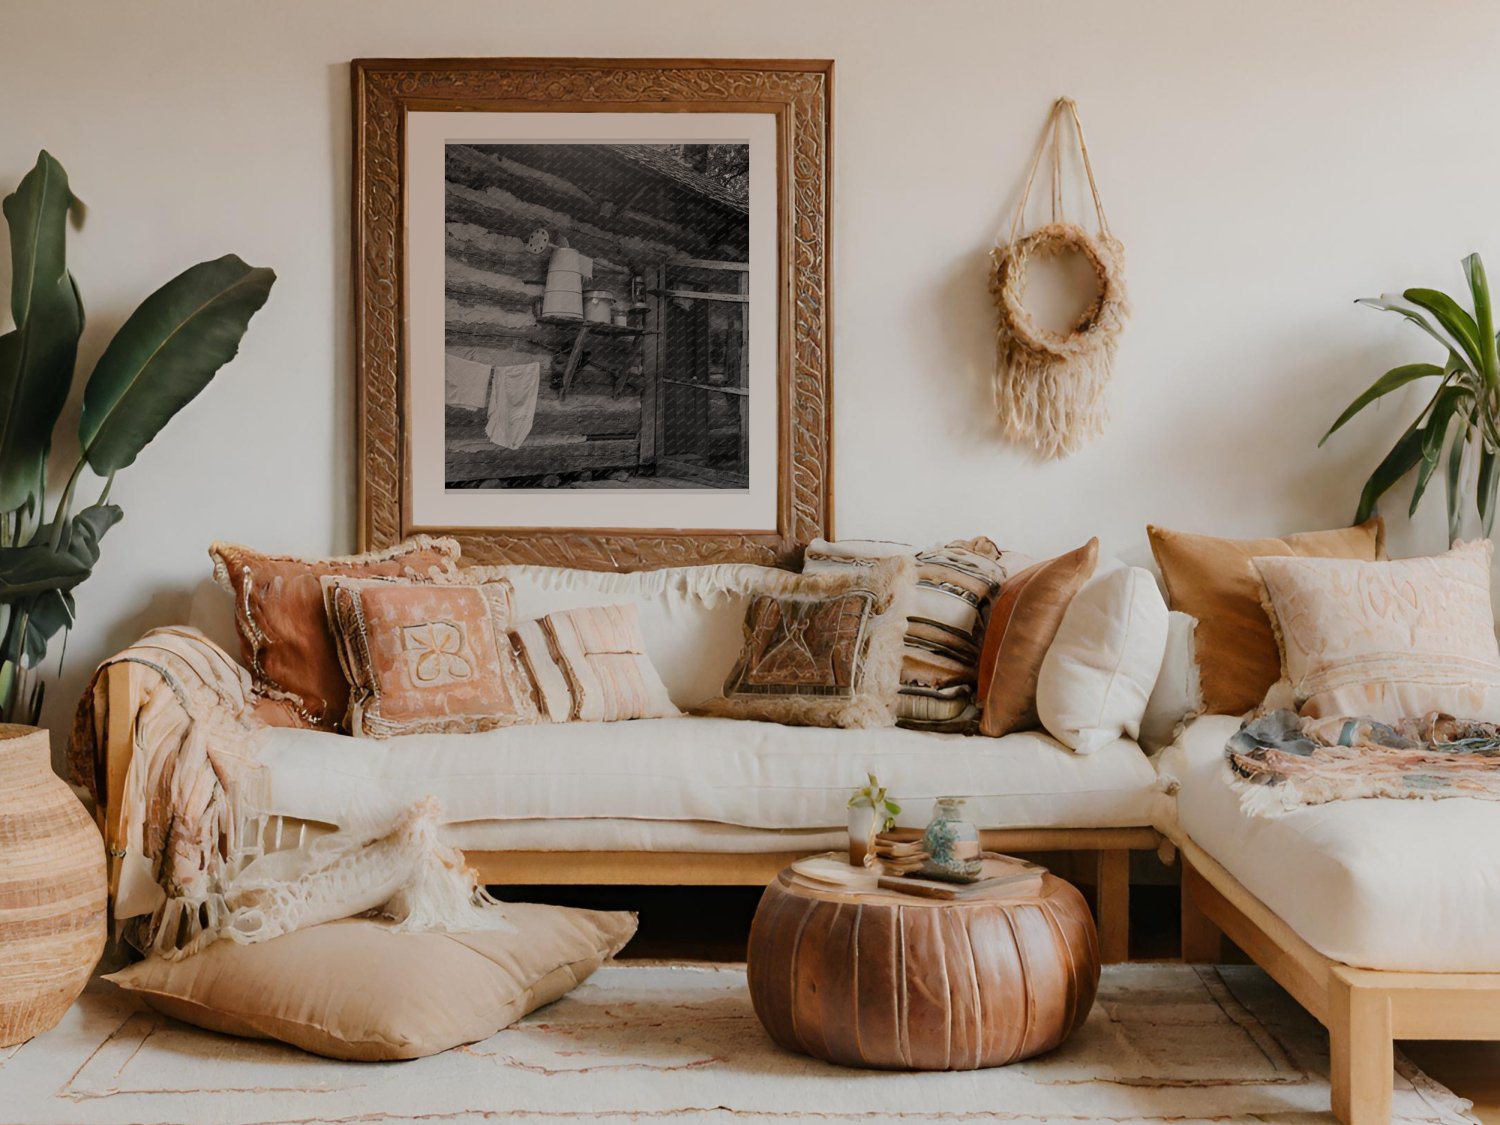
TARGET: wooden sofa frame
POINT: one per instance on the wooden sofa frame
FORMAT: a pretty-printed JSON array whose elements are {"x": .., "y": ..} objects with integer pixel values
[
  {"x": 1111, "y": 846},
  {"x": 1364, "y": 1010}
]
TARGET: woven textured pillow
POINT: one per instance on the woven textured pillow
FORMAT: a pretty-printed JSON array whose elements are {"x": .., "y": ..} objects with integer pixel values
[
  {"x": 590, "y": 665},
  {"x": 823, "y": 649},
  {"x": 956, "y": 584},
  {"x": 285, "y": 640},
  {"x": 1387, "y": 640},
  {"x": 356, "y": 990},
  {"x": 427, "y": 657},
  {"x": 1214, "y": 580},
  {"x": 1026, "y": 617}
]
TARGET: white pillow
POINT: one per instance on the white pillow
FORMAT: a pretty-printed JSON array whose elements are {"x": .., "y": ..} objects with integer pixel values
[
  {"x": 1098, "y": 674},
  {"x": 1178, "y": 694}
]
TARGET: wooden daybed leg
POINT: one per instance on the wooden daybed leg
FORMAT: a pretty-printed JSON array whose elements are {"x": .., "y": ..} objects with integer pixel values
[
  {"x": 1112, "y": 886},
  {"x": 1361, "y": 1051},
  {"x": 1202, "y": 941}
]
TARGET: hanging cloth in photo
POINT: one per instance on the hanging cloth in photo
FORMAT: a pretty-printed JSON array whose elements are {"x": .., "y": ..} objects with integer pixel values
[
  {"x": 507, "y": 394},
  {"x": 512, "y": 403},
  {"x": 1049, "y": 386}
]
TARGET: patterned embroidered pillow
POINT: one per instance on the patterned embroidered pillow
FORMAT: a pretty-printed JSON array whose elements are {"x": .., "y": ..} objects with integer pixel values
[
  {"x": 427, "y": 657},
  {"x": 284, "y": 634},
  {"x": 956, "y": 585},
  {"x": 1388, "y": 640},
  {"x": 824, "y": 649},
  {"x": 590, "y": 665}
]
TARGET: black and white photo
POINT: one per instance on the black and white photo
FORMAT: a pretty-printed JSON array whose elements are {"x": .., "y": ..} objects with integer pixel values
[{"x": 597, "y": 315}]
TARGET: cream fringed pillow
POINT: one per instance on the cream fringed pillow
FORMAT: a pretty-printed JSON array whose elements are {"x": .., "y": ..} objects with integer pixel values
[
  {"x": 427, "y": 657},
  {"x": 356, "y": 990},
  {"x": 823, "y": 650},
  {"x": 1388, "y": 640},
  {"x": 590, "y": 665}
]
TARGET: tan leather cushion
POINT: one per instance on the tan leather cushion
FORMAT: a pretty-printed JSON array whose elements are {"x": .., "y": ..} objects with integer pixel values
[
  {"x": 1022, "y": 625},
  {"x": 278, "y": 611},
  {"x": 427, "y": 656},
  {"x": 356, "y": 990},
  {"x": 1214, "y": 580}
]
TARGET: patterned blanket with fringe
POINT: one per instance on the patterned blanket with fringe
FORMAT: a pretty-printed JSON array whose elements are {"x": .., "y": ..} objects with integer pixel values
[
  {"x": 195, "y": 859},
  {"x": 1281, "y": 761}
]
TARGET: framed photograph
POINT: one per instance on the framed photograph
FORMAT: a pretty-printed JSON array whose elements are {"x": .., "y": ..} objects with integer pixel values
[{"x": 591, "y": 307}]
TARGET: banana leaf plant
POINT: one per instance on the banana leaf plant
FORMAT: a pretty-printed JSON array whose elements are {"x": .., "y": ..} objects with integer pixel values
[
  {"x": 1457, "y": 428},
  {"x": 164, "y": 354}
]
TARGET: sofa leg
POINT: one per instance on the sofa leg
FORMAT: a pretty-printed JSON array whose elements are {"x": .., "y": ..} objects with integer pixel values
[
  {"x": 1361, "y": 1052},
  {"x": 1112, "y": 886},
  {"x": 1202, "y": 941}
]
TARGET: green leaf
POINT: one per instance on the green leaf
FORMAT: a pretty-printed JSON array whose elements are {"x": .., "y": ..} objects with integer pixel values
[
  {"x": 168, "y": 351},
  {"x": 1392, "y": 380},
  {"x": 82, "y": 535},
  {"x": 51, "y": 612},
  {"x": 1402, "y": 458},
  {"x": 1454, "y": 319},
  {"x": 35, "y": 568},
  {"x": 1455, "y": 475},
  {"x": 1488, "y": 480},
  {"x": 1484, "y": 316},
  {"x": 1445, "y": 404},
  {"x": 37, "y": 356},
  {"x": 1392, "y": 303}
]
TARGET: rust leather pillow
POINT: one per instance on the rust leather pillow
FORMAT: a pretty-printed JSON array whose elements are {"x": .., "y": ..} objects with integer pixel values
[
  {"x": 1023, "y": 622},
  {"x": 284, "y": 635},
  {"x": 1215, "y": 581},
  {"x": 427, "y": 657}
]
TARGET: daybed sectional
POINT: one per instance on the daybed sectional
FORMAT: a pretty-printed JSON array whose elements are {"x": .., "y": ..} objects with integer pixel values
[{"x": 689, "y": 800}]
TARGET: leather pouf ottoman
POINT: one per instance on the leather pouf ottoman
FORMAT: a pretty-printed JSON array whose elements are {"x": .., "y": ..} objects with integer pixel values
[{"x": 889, "y": 980}]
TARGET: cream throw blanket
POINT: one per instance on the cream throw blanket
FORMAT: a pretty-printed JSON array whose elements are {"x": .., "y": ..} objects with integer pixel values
[{"x": 191, "y": 841}]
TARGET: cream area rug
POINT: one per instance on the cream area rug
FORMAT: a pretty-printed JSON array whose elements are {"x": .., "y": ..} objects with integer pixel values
[{"x": 643, "y": 1042}]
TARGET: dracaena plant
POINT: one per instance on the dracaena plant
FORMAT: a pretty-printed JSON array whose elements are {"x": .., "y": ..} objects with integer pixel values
[
  {"x": 1457, "y": 427},
  {"x": 162, "y": 356}
]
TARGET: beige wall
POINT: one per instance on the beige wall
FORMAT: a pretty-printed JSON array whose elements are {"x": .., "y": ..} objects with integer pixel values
[{"x": 1264, "y": 164}]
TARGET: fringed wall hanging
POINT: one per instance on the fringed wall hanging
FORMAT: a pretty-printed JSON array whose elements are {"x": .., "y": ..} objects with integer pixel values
[{"x": 1049, "y": 386}]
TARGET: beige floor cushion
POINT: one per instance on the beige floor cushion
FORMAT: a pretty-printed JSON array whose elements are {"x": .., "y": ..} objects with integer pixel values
[{"x": 358, "y": 990}]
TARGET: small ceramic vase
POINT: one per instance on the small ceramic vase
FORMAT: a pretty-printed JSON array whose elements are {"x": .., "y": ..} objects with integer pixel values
[
  {"x": 861, "y": 832},
  {"x": 951, "y": 843}
]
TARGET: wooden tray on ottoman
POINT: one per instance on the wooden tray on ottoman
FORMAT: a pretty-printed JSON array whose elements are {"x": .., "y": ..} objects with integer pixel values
[{"x": 882, "y": 979}]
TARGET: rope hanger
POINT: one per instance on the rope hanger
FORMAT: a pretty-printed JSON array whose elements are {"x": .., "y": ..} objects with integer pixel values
[{"x": 1049, "y": 386}]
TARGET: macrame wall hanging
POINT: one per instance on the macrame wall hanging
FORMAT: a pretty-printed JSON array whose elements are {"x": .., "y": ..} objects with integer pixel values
[{"x": 1049, "y": 386}]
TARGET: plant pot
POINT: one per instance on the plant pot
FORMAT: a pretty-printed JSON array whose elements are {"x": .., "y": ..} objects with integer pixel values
[
  {"x": 861, "y": 829},
  {"x": 52, "y": 889}
]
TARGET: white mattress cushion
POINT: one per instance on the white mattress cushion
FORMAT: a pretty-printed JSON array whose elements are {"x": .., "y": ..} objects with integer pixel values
[
  {"x": 1379, "y": 884},
  {"x": 731, "y": 771}
]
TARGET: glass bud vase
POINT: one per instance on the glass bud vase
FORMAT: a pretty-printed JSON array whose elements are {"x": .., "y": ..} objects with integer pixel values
[{"x": 951, "y": 843}]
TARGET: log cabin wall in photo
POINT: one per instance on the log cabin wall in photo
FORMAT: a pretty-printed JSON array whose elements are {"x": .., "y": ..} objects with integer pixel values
[{"x": 658, "y": 402}]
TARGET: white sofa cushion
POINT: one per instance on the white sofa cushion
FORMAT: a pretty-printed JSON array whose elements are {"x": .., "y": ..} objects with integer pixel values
[
  {"x": 731, "y": 771},
  {"x": 1378, "y": 884},
  {"x": 1101, "y": 665}
]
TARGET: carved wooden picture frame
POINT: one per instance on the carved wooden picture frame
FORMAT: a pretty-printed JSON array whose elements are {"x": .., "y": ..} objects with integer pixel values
[{"x": 399, "y": 105}]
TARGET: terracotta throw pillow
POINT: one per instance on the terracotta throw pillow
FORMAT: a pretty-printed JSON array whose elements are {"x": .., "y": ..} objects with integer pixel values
[
  {"x": 427, "y": 657},
  {"x": 285, "y": 640},
  {"x": 1026, "y": 617},
  {"x": 590, "y": 665},
  {"x": 1388, "y": 640},
  {"x": 823, "y": 649},
  {"x": 357, "y": 990},
  {"x": 1214, "y": 580}
]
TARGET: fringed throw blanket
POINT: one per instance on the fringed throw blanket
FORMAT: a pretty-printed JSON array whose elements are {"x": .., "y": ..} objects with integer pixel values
[
  {"x": 191, "y": 842},
  {"x": 1281, "y": 761}
]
